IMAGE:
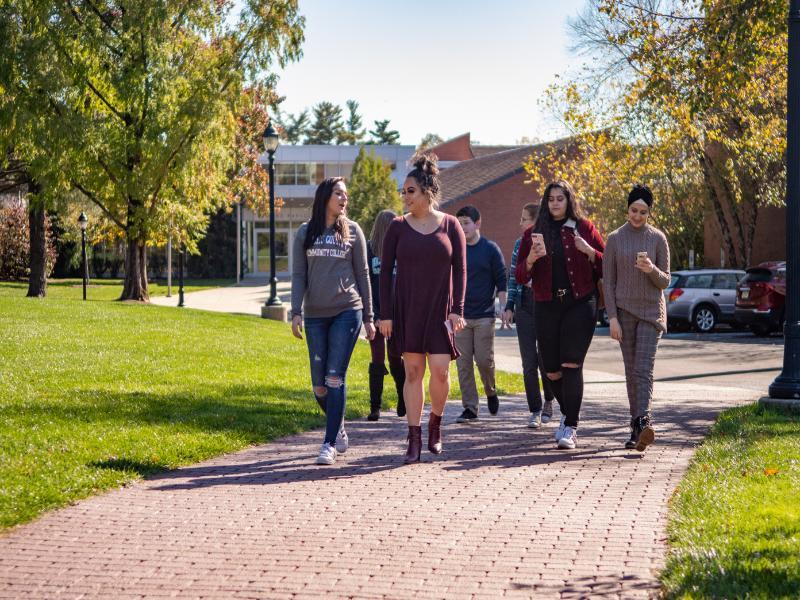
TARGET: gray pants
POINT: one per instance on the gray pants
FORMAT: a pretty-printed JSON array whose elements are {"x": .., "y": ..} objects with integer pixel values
[
  {"x": 639, "y": 344},
  {"x": 475, "y": 342}
]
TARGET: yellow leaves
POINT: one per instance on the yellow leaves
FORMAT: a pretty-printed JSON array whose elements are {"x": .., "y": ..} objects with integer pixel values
[{"x": 770, "y": 472}]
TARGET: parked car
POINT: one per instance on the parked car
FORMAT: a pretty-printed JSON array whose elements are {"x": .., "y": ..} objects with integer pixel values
[
  {"x": 702, "y": 298},
  {"x": 761, "y": 298}
]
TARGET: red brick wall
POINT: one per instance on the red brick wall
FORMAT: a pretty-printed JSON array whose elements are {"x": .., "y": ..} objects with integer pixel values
[
  {"x": 500, "y": 206},
  {"x": 769, "y": 243}
]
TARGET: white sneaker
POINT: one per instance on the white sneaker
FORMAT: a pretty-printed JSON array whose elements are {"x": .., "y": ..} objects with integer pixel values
[
  {"x": 547, "y": 411},
  {"x": 327, "y": 455},
  {"x": 536, "y": 420},
  {"x": 569, "y": 440},
  {"x": 560, "y": 431},
  {"x": 342, "y": 441}
]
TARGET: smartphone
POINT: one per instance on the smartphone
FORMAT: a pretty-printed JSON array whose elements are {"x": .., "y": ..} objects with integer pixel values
[
  {"x": 537, "y": 240},
  {"x": 448, "y": 324},
  {"x": 641, "y": 255}
]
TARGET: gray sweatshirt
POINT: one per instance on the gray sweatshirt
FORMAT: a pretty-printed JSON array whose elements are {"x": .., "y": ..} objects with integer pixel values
[{"x": 331, "y": 276}]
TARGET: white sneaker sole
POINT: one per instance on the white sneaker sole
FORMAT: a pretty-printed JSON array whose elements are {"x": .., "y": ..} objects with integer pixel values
[
  {"x": 324, "y": 460},
  {"x": 566, "y": 444}
]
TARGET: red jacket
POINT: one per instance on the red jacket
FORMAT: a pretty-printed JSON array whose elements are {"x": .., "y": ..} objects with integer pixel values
[{"x": 583, "y": 274}]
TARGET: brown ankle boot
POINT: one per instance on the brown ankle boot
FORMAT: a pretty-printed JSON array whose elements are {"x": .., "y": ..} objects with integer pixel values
[
  {"x": 435, "y": 433},
  {"x": 414, "y": 444}
]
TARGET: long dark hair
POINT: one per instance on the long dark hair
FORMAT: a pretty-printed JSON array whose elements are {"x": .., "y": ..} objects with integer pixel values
[
  {"x": 316, "y": 225},
  {"x": 544, "y": 220},
  {"x": 426, "y": 174}
]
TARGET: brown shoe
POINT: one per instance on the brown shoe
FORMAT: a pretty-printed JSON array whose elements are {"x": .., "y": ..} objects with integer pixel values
[
  {"x": 647, "y": 434},
  {"x": 414, "y": 444},
  {"x": 435, "y": 433}
]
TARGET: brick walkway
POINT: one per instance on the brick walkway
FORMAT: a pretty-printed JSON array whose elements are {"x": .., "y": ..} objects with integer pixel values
[{"x": 501, "y": 513}]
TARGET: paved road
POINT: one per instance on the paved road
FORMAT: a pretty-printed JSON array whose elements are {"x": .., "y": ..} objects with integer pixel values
[{"x": 729, "y": 358}]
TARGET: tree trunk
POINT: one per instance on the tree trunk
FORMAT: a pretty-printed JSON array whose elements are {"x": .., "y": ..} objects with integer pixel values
[
  {"x": 37, "y": 281},
  {"x": 135, "y": 287}
]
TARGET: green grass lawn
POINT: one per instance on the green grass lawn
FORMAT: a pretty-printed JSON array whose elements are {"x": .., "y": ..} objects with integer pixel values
[
  {"x": 96, "y": 394},
  {"x": 734, "y": 527},
  {"x": 110, "y": 289}
]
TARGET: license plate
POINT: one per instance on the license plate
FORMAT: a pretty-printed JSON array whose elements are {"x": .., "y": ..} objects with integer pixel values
[{"x": 745, "y": 294}]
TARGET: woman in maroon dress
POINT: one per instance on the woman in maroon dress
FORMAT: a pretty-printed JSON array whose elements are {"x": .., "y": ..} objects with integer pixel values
[{"x": 426, "y": 306}]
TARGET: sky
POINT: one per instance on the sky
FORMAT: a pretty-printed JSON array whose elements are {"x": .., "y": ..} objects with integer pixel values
[{"x": 439, "y": 66}]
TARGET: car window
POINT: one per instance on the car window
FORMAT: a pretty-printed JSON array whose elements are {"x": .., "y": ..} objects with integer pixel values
[
  {"x": 673, "y": 281},
  {"x": 757, "y": 276},
  {"x": 724, "y": 281},
  {"x": 780, "y": 274},
  {"x": 699, "y": 281}
]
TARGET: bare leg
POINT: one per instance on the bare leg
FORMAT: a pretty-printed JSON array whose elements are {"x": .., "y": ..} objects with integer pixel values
[
  {"x": 439, "y": 384},
  {"x": 413, "y": 392}
]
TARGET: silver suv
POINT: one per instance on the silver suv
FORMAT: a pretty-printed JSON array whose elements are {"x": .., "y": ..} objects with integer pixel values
[{"x": 701, "y": 299}]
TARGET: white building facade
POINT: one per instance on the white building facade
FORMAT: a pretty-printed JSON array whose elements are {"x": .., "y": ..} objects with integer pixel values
[{"x": 298, "y": 172}]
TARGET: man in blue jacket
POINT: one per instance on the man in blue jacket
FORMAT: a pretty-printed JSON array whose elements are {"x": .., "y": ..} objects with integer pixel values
[{"x": 486, "y": 279}]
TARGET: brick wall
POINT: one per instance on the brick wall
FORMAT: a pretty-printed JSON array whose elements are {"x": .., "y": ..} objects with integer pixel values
[{"x": 500, "y": 206}]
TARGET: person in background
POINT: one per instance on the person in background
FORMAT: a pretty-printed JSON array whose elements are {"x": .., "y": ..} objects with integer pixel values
[
  {"x": 635, "y": 274},
  {"x": 378, "y": 345},
  {"x": 486, "y": 278},
  {"x": 563, "y": 256},
  {"x": 424, "y": 308},
  {"x": 331, "y": 294},
  {"x": 519, "y": 308}
]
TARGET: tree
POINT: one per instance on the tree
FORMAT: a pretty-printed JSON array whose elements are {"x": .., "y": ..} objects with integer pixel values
[
  {"x": 429, "y": 141},
  {"x": 384, "y": 135},
  {"x": 248, "y": 180},
  {"x": 327, "y": 125},
  {"x": 707, "y": 78},
  {"x": 372, "y": 189},
  {"x": 295, "y": 127},
  {"x": 135, "y": 103},
  {"x": 352, "y": 133}
]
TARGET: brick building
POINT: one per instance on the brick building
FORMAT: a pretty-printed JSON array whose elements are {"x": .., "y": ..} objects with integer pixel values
[
  {"x": 492, "y": 179},
  {"x": 769, "y": 242}
]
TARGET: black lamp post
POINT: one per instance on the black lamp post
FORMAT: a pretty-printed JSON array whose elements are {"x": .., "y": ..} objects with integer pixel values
[
  {"x": 83, "y": 221},
  {"x": 270, "y": 145},
  {"x": 787, "y": 384},
  {"x": 181, "y": 253}
]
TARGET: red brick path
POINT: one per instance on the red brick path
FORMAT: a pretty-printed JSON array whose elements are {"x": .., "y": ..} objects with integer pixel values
[{"x": 501, "y": 513}]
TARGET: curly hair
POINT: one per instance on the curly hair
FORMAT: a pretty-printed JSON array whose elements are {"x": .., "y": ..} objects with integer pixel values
[{"x": 426, "y": 174}]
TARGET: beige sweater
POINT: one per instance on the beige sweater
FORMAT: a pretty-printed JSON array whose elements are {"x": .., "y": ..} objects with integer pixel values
[{"x": 628, "y": 288}]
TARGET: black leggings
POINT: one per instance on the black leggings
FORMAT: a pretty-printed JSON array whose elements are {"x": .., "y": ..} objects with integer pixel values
[{"x": 564, "y": 330}]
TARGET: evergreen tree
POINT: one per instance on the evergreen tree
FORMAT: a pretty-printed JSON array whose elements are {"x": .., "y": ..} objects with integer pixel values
[
  {"x": 352, "y": 133},
  {"x": 429, "y": 141},
  {"x": 327, "y": 124},
  {"x": 383, "y": 135},
  {"x": 295, "y": 127},
  {"x": 372, "y": 189}
]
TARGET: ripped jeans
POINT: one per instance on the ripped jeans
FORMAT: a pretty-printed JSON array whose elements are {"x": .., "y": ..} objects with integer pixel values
[{"x": 330, "y": 344}]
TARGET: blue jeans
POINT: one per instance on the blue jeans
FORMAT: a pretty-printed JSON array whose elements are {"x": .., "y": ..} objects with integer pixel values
[{"x": 330, "y": 345}]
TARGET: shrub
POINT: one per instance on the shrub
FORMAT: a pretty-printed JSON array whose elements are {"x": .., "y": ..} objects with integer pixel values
[{"x": 15, "y": 243}]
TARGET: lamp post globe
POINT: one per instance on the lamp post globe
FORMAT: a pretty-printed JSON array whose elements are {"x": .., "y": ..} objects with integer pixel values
[
  {"x": 271, "y": 141},
  {"x": 83, "y": 222}
]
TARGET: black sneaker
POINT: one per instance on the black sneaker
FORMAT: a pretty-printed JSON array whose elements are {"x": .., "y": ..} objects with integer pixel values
[
  {"x": 494, "y": 404},
  {"x": 631, "y": 443},
  {"x": 647, "y": 434},
  {"x": 467, "y": 417}
]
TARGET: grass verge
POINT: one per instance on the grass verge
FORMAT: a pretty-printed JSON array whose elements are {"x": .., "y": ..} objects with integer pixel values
[
  {"x": 734, "y": 527},
  {"x": 97, "y": 394}
]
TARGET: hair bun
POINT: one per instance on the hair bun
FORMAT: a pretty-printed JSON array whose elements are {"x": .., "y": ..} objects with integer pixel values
[{"x": 427, "y": 162}]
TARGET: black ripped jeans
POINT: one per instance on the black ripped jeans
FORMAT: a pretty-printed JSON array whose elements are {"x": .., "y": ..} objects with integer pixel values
[{"x": 564, "y": 331}]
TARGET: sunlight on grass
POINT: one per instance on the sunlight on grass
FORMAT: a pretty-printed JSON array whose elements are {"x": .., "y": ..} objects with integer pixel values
[{"x": 734, "y": 525}]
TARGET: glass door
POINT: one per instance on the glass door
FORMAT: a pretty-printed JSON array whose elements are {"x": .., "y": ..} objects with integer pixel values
[{"x": 261, "y": 243}]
